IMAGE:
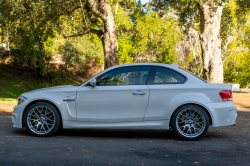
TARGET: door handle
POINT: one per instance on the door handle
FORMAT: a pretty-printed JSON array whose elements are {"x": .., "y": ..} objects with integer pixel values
[
  {"x": 139, "y": 93},
  {"x": 68, "y": 99}
]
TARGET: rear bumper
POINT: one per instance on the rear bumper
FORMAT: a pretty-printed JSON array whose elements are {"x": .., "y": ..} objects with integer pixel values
[{"x": 223, "y": 113}]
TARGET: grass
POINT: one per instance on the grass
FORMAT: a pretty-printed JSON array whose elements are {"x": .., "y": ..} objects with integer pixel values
[
  {"x": 14, "y": 82},
  {"x": 8, "y": 101}
]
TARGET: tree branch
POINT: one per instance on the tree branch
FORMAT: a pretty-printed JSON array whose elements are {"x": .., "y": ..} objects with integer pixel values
[
  {"x": 93, "y": 19},
  {"x": 94, "y": 7},
  {"x": 202, "y": 19},
  {"x": 99, "y": 33}
]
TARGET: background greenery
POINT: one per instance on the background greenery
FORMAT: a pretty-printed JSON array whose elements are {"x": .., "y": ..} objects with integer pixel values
[{"x": 148, "y": 32}]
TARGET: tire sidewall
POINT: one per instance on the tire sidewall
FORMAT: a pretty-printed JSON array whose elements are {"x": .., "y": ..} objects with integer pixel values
[
  {"x": 57, "y": 116},
  {"x": 174, "y": 127}
]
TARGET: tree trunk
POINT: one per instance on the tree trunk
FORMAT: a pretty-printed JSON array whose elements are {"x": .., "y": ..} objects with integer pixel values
[
  {"x": 110, "y": 37},
  {"x": 110, "y": 41},
  {"x": 210, "y": 17},
  {"x": 34, "y": 68},
  {"x": 41, "y": 60}
]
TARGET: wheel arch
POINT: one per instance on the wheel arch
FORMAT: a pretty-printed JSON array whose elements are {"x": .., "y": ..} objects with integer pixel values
[
  {"x": 208, "y": 113},
  {"x": 35, "y": 101}
]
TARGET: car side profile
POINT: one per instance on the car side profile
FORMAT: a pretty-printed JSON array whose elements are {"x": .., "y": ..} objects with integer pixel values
[{"x": 131, "y": 96}]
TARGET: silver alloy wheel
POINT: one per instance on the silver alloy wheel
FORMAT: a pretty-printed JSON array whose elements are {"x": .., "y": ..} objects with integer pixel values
[
  {"x": 41, "y": 119},
  {"x": 191, "y": 122}
]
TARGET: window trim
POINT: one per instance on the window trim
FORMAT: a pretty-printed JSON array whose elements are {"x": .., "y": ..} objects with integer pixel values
[
  {"x": 122, "y": 68},
  {"x": 150, "y": 80}
]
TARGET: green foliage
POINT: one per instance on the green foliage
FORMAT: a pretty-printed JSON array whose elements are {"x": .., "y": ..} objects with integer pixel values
[
  {"x": 237, "y": 60},
  {"x": 156, "y": 37},
  {"x": 147, "y": 33},
  {"x": 27, "y": 24},
  {"x": 236, "y": 45},
  {"x": 125, "y": 27},
  {"x": 88, "y": 46},
  {"x": 49, "y": 44},
  {"x": 70, "y": 55},
  {"x": 27, "y": 54},
  {"x": 125, "y": 46}
]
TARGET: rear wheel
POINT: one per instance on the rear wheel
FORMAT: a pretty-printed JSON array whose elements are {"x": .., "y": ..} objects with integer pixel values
[
  {"x": 42, "y": 119},
  {"x": 190, "y": 122}
]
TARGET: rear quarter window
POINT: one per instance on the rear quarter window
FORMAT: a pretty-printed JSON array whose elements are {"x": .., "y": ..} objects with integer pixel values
[{"x": 160, "y": 75}]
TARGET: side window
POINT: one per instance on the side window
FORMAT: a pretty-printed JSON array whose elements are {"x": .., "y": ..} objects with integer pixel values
[
  {"x": 125, "y": 76},
  {"x": 166, "y": 76}
]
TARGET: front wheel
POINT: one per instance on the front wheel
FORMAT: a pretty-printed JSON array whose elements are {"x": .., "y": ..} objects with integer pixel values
[
  {"x": 190, "y": 122},
  {"x": 42, "y": 119}
]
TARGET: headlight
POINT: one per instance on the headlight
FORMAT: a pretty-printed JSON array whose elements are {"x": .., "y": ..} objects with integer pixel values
[{"x": 20, "y": 100}]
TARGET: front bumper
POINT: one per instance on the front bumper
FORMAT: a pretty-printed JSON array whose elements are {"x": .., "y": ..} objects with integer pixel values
[
  {"x": 17, "y": 115},
  {"x": 223, "y": 113}
]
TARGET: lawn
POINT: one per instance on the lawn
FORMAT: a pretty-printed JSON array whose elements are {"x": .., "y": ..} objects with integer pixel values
[{"x": 13, "y": 83}]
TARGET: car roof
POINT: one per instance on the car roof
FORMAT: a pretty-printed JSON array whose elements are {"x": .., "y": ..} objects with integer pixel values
[{"x": 173, "y": 66}]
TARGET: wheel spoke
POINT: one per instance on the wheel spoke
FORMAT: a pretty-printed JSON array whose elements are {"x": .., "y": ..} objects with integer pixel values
[
  {"x": 46, "y": 112},
  {"x": 50, "y": 119},
  {"x": 47, "y": 125},
  {"x": 194, "y": 129},
  {"x": 38, "y": 110},
  {"x": 35, "y": 112},
  {"x": 198, "y": 122},
  {"x": 34, "y": 121},
  {"x": 188, "y": 129}
]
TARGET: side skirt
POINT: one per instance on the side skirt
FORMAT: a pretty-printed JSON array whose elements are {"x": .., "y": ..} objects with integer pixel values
[{"x": 157, "y": 125}]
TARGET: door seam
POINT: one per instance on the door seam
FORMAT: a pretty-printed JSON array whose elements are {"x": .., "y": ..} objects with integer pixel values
[{"x": 147, "y": 103}]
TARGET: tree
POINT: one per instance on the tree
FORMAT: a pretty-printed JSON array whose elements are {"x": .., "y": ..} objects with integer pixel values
[
  {"x": 103, "y": 10},
  {"x": 41, "y": 16},
  {"x": 236, "y": 45},
  {"x": 208, "y": 14},
  {"x": 106, "y": 28}
]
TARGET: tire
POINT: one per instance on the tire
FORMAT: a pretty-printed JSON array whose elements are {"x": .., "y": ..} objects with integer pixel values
[
  {"x": 190, "y": 122},
  {"x": 42, "y": 119}
]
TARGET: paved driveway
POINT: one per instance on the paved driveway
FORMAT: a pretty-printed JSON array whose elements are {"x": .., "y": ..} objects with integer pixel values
[{"x": 220, "y": 146}]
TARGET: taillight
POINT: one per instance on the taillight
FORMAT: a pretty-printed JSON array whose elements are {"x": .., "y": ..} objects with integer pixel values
[{"x": 226, "y": 95}]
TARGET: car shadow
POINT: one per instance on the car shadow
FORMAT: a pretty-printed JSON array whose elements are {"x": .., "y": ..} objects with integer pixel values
[
  {"x": 107, "y": 133},
  {"x": 124, "y": 134},
  {"x": 119, "y": 134}
]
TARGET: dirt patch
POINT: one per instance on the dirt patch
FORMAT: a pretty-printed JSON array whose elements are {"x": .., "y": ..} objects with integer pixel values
[
  {"x": 6, "y": 109},
  {"x": 241, "y": 99}
]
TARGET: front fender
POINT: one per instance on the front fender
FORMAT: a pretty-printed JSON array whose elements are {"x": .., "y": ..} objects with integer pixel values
[{"x": 66, "y": 108}]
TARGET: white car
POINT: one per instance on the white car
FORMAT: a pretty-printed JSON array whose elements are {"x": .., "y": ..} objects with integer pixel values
[{"x": 131, "y": 96}]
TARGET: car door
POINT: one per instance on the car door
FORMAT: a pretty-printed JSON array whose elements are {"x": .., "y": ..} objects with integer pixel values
[
  {"x": 165, "y": 84},
  {"x": 121, "y": 95}
]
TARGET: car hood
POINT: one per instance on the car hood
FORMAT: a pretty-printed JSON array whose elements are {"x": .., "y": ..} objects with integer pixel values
[{"x": 52, "y": 89}]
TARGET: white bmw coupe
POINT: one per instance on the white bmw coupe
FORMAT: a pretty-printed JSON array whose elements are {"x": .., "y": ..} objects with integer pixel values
[{"x": 131, "y": 96}]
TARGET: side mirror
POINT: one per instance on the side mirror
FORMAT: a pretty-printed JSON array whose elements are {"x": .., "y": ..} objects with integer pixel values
[{"x": 93, "y": 82}]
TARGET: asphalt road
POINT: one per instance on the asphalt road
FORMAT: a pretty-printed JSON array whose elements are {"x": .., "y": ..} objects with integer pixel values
[{"x": 220, "y": 146}]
